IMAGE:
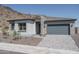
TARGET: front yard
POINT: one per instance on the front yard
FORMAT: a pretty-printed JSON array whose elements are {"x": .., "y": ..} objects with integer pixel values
[
  {"x": 23, "y": 40},
  {"x": 14, "y": 37}
]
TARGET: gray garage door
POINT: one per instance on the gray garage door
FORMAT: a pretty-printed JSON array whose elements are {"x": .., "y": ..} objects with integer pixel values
[{"x": 60, "y": 29}]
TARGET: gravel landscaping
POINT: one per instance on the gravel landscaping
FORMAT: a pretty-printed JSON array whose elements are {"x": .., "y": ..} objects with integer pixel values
[{"x": 25, "y": 40}]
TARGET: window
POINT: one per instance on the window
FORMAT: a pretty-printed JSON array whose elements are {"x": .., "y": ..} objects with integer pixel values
[
  {"x": 22, "y": 26},
  {"x": 12, "y": 26}
]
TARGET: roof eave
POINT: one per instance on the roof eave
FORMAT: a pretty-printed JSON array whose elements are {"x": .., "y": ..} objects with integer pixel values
[
  {"x": 20, "y": 20},
  {"x": 63, "y": 20}
]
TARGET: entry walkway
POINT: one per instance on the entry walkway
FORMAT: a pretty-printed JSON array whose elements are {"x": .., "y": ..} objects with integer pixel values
[{"x": 59, "y": 42}]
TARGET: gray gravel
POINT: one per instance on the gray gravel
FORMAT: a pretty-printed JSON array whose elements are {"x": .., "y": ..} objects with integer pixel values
[{"x": 59, "y": 42}]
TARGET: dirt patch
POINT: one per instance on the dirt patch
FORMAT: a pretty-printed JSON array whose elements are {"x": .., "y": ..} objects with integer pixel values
[
  {"x": 25, "y": 40},
  {"x": 76, "y": 39}
]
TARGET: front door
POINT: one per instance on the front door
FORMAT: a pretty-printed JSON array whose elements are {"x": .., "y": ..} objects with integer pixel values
[{"x": 37, "y": 27}]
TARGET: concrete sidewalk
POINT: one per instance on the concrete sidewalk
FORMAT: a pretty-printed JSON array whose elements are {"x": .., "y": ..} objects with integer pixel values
[
  {"x": 59, "y": 42},
  {"x": 9, "y": 52},
  {"x": 33, "y": 49}
]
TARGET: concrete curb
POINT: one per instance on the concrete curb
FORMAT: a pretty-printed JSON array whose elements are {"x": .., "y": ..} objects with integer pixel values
[{"x": 33, "y": 50}]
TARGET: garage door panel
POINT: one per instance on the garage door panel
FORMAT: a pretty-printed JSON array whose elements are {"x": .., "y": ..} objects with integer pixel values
[{"x": 58, "y": 29}]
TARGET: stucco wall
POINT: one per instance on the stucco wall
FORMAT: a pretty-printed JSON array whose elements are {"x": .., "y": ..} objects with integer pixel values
[
  {"x": 30, "y": 27},
  {"x": 72, "y": 30}
]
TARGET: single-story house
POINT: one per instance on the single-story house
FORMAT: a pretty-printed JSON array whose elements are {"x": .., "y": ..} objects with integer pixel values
[{"x": 42, "y": 25}]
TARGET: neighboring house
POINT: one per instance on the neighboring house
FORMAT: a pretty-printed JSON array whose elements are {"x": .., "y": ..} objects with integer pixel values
[{"x": 42, "y": 25}]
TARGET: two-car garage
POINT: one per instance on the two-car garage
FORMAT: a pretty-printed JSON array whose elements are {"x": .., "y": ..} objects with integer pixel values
[{"x": 58, "y": 29}]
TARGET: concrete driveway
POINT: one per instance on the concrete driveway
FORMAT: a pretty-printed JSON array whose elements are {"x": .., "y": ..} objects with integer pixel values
[{"x": 59, "y": 42}]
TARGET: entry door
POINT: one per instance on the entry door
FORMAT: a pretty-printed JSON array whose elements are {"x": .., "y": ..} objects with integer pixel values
[
  {"x": 58, "y": 29},
  {"x": 37, "y": 27}
]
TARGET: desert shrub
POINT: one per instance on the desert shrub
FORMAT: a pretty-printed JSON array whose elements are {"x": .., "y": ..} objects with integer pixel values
[
  {"x": 16, "y": 35},
  {"x": 5, "y": 33}
]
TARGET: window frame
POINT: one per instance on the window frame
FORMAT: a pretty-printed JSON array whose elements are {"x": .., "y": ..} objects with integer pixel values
[
  {"x": 12, "y": 26},
  {"x": 22, "y": 27}
]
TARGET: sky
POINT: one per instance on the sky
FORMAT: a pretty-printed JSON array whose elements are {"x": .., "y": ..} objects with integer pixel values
[{"x": 57, "y": 10}]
